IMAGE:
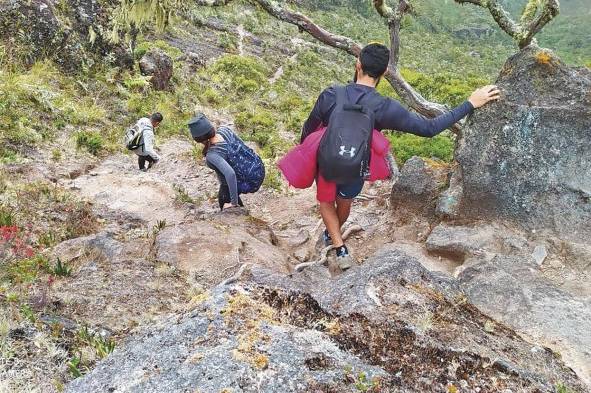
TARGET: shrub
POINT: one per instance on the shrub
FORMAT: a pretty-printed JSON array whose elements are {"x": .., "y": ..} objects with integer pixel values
[
  {"x": 211, "y": 96},
  {"x": 243, "y": 74},
  {"x": 272, "y": 177},
  {"x": 143, "y": 47},
  {"x": 257, "y": 126},
  {"x": 444, "y": 87},
  {"x": 228, "y": 42},
  {"x": 6, "y": 217},
  {"x": 91, "y": 141},
  {"x": 406, "y": 146}
]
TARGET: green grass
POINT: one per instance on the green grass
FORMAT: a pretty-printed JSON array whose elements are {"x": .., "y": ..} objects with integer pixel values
[
  {"x": 91, "y": 141},
  {"x": 405, "y": 146}
]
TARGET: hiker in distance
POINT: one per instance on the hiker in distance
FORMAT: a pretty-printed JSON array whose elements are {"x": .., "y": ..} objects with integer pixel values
[
  {"x": 140, "y": 140},
  {"x": 239, "y": 169},
  {"x": 351, "y": 113}
]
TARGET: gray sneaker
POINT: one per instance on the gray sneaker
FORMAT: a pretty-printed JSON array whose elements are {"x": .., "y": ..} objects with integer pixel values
[{"x": 345, "y": 260}]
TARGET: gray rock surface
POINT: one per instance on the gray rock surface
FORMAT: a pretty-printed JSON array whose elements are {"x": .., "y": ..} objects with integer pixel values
[
  {"x": 158, "y": 65},
  {"x": 462, "y": 242},
  {"x": 513, "y": 290},
  {"x": 69, "y": 32},
  {"x": 391, "y": 325},
  {"x": 527, "y": 158},
  {"x": 418, "y": 186}
]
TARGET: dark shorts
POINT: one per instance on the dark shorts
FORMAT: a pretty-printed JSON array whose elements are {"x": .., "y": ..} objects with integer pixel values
[
  {"x": 349, "y": 191},
  {"x": 328, "y": 191}
]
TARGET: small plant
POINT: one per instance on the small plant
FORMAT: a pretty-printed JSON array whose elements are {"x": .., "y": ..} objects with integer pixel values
[
  {"x": 91, "y": 141},
  {"x": 561, "y": 388},
  {"x": 47, "y": 239},
  {"x": 160, "y": 225},
  {"x": 75, "y": 365},
  {"x": 6, "y": 217},
  {"x": 56, "y": 154},
  {"x": 182, "y": 195},
  {"x": 102, "y": 346},
  {"x": 28, "y": 313},
  {"x": 61, "y": 269}
]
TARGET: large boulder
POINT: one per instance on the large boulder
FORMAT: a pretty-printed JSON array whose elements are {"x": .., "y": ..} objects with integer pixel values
[
  {"x": 513, "y": 290},
  {"x": 391, "y": 326},
  {"x": 527, "y": 158},
  {"x": 158, "y": 65},
  {"x": 418, "y": 185}
]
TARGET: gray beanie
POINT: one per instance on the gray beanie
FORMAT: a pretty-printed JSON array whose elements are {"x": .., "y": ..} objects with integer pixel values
[{"x": 200, "y": 128}]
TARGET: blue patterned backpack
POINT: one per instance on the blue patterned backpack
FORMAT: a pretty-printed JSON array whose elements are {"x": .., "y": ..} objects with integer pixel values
[{"x": 249, "y": 168}]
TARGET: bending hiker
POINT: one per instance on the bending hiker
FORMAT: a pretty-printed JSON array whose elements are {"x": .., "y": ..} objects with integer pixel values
[
  {"x": 239, "y": 169},
  {"x": 140, "y": 140},
  {"x": 350, "y": 113}
]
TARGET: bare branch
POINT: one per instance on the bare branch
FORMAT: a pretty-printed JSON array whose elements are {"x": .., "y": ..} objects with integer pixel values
[
  {"x": 530, "y": 24},
  {"x": 212, "y": 3},
  {"x": 306, "y": 24},
  {"x": 383, "y": 9},
  {"x": 405, "y": 91},
  {"x": 550, "y": 11}
]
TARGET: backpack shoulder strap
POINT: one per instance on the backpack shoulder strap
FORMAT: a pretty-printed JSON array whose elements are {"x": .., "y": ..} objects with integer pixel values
[{"x": 341, "y": 92}]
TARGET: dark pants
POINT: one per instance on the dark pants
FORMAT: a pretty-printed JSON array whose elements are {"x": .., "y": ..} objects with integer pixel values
[
  {"x": 224, "y": 196},
  {"x": 141, "y": 160}
]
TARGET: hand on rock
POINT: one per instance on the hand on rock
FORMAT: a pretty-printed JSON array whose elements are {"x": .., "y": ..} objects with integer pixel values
[{"x": 484, "y": 95}]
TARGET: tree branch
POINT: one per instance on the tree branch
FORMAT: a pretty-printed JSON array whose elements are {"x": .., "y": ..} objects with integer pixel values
[
  {"x": 523, "y": 33},
  {"x": 550, "y": 11},
  {"x": 383, "y": 9},
  {"x": 212, "y": 3},
  {"x": 306, "y": 24}
]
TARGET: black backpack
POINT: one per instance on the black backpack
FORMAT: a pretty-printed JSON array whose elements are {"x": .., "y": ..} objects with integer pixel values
[{"x": 345, "y": 147}]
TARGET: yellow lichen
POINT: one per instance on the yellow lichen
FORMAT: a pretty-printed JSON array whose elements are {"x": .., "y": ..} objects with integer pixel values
[
  {"x": 543, "y": 57},
  {"x": 246, "y": 315},
  {"x": 261, "y": 361}
]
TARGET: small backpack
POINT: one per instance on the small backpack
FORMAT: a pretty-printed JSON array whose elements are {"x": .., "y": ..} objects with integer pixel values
[
  {"x": 248, "y": 166},
  {"x": 345, "y": 149},
  {"x": 134, "y": 137}
]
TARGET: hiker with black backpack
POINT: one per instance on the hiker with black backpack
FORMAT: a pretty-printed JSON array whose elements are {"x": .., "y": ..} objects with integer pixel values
[
  {"x": 350, "y": 114},
  {"x": 239, "y": 169},
  {"x": 140, "y": 140}
]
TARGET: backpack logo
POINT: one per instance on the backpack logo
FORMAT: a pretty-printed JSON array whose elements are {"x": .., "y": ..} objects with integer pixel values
[{"x": 351, "y": 152}]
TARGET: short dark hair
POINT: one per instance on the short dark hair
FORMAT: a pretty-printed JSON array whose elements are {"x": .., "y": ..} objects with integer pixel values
[
  {"x": 374, "y": 59},
  {"x": 156, "y": 117}
]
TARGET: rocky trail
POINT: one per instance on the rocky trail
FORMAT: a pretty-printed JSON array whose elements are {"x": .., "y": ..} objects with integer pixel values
[{"x": 165, "y": 248}]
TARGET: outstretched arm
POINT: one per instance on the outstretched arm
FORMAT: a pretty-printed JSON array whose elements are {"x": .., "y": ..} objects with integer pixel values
[{"x": 396, "y": 117}]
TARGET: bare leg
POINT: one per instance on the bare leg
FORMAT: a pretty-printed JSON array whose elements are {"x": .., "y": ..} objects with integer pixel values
[
  {"x": 343, "y": 210},
  {"x": 328, "y": 211}
]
